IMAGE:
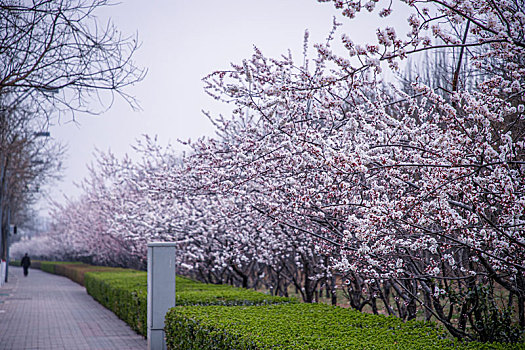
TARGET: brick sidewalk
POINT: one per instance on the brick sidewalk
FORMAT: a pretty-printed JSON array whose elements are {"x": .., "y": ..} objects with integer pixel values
[{"x": 45, "y": 311}]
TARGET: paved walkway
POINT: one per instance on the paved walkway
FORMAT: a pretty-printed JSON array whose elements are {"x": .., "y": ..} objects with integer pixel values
[{"x": 45, "y": 311}]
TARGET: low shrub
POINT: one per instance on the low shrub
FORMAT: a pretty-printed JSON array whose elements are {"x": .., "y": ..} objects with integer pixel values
[
  {"x": 76, "y": 272},
  {"x": 301, "y": 326},
  {"x": 125, "y": 293},
  {"x": 35, "y": 264},
  {"x": 189, "y": 292},
  {"x": 50, "y": 266}
]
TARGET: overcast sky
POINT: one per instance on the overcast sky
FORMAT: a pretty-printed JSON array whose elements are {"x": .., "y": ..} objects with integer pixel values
[{"x": 183, "y": 41}]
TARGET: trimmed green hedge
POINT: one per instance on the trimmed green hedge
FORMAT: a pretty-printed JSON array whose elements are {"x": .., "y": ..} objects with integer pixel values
[
  {"x": 125, "y": 293},
  {"x": 73, "y": 270},
  {"x": 35, "y": 264},
  {"x": 301, "y": 326},
  {"x": 76, "y": 272},
  {"x": 50, "y": 266},
  {"x": 189, "y": 292}
]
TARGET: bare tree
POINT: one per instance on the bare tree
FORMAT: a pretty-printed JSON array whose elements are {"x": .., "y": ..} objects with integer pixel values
[
  {"x": 27, "y": 161},
  {"x": 56, "y": 59},
  {"x": 57, "y": 53}
]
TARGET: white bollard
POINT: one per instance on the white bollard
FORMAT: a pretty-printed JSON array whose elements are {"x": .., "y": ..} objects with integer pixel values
[
  {"x": 3, "y": 272},
  {"x": 161, "y": 290}
]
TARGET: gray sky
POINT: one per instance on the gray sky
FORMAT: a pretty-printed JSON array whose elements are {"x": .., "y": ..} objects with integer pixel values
[{"x": 183, "y": 41}]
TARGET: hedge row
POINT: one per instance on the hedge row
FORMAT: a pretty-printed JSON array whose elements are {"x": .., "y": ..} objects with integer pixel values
[
  {"x": 73, "y": 270},
  {"x": 77, "y": 272},
  {"x": 223, "y": 317},
  {"x": 302, "y": 326},
  {"x": 125, "y": 293},
  {"x": 35, "y": 264},
  {"x": 189, "y": 292}
]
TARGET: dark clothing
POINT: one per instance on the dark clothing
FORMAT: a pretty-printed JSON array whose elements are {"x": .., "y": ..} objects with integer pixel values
[{"x": 25, "y": 262}]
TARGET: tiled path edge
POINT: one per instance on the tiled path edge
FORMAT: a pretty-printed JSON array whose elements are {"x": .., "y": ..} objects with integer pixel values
[{"x": 50, "y": 312}]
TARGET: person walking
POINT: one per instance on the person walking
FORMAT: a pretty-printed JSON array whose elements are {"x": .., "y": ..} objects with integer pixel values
[{"x": 25, "y": 262}]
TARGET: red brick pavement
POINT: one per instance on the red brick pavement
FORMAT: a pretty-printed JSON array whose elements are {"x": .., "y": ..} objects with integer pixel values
[{"x": 45, "y": 311}]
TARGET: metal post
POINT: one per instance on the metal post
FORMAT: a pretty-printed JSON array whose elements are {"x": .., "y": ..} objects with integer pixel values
[
  {"x": 161, "y": 290},
  {"x": 7, "y": 243},
  {"x": 2, "y": 194},
  {"x": 5, "y": 239},
  {"x": 2, "y": 272}
]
